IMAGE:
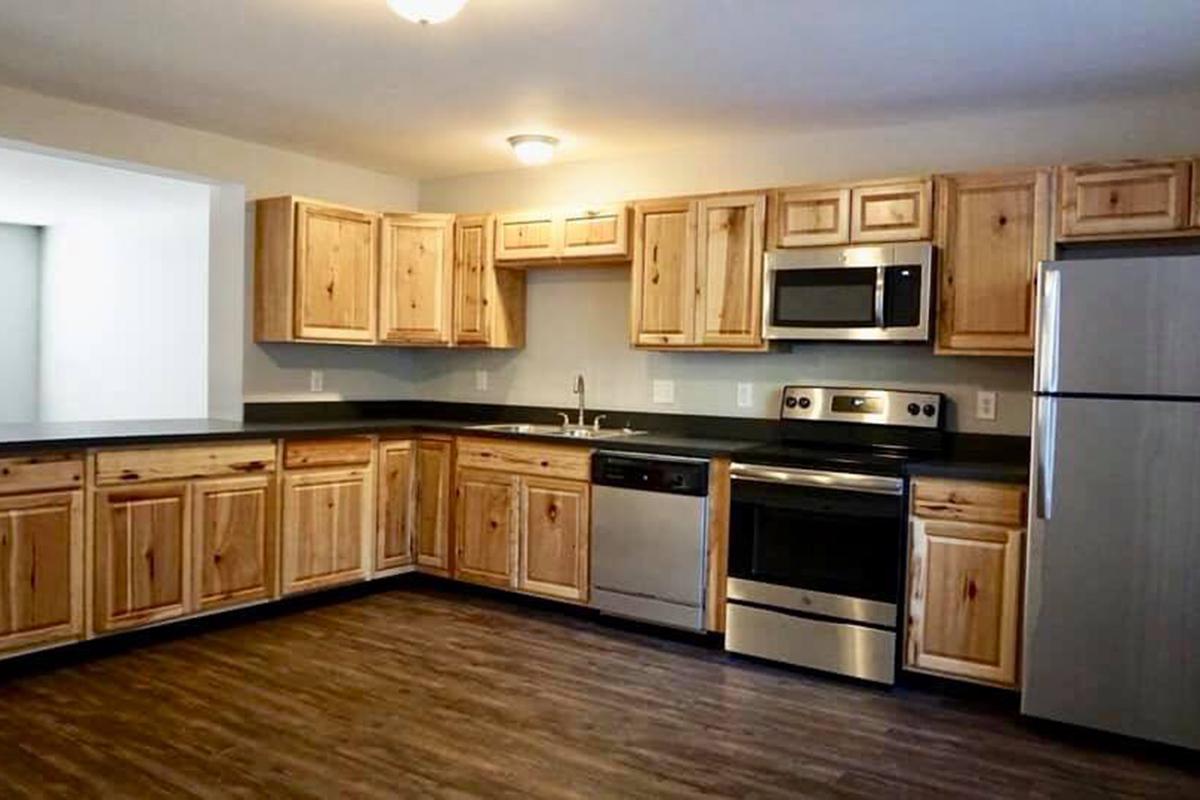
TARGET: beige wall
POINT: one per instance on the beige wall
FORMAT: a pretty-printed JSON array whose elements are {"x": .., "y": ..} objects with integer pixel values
[{"x": 577, "y": 317}]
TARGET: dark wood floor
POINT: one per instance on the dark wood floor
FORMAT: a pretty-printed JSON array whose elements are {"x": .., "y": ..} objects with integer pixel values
[{"x": 427, "y": 692}]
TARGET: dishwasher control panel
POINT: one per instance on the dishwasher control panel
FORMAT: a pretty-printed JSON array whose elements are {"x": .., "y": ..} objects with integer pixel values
[{"x": 651, "y": 473}]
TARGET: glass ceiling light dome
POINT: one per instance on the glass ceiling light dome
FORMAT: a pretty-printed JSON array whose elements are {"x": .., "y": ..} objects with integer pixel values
[
  {"x": 533, "y": 149},
  {"x": 426, "y": 12}
]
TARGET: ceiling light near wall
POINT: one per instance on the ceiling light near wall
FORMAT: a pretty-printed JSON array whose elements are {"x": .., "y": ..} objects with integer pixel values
[
  {"x": 533, "y": 149},
  {"x": 426, "y": 11}
]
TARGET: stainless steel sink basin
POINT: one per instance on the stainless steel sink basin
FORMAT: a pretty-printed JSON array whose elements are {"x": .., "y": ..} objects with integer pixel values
[{"x": 565, "y": 431}]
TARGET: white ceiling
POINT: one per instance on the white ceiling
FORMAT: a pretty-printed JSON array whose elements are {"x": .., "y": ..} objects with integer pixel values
[{"x": 349, "y": 80}]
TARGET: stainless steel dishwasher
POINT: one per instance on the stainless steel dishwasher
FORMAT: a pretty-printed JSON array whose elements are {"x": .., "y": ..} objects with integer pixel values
[{"x": 649, "y": 537}]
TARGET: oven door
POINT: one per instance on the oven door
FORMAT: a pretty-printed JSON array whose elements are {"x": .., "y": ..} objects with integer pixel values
[{"x": 826, "y": 544}]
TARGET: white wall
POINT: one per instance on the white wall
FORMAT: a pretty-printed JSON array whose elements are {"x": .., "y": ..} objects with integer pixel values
[
  {"x": 577, "y": 317},
  {"x": 20, "y": 275}
]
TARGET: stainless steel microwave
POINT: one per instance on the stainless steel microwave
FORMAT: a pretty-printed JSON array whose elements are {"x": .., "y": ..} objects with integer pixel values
[{"x": 867, "y": 293}]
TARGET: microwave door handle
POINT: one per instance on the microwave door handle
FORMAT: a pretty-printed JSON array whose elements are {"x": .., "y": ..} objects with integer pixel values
[{"x": 879, "y": 287}]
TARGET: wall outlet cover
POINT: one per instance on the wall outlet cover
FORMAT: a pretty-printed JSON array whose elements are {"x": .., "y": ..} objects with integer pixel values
[
  {"x": 745, "y": 395},
  {"x": 664, "y": 392},
  {"x": 316, "y": 380},
  {"x": 985, "y": 405},
  {"x": 481, "y": 380}
]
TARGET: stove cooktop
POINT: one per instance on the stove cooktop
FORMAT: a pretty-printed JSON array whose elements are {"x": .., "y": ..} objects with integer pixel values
[{"x": 873, "y": 462}]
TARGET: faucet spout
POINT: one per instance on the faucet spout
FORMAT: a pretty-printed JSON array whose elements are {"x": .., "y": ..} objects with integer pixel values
[{"x": 580, "y": 390}]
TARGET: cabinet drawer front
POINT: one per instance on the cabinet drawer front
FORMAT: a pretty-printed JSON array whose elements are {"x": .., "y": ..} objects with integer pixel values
[
  {"x": 806, "y": 217},
  {"x": 596, "y": 232},
  {"x": 168, "y": 463},
  {"x": 39, "y": 473},
  {"x": 554, "y": 461},
  {"x": 327, "y": 452},
  {"x": 891, "y": 212},
  {"x": 993, "y": 503},
  {"x": 1116, "y": 199}
]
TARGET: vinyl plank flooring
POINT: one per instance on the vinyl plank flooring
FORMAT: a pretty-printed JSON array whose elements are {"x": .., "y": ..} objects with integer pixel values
[{"x": 428, "y": 692}]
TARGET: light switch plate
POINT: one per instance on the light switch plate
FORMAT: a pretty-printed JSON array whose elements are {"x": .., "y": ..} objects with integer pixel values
[
  {"x": 745, "y": 395},
  {"x": 481, "y": 380},
  {"x": 985, "y": 405},
  {"x": 664, "y": 392},
  {"x": 316, "y": 380}
]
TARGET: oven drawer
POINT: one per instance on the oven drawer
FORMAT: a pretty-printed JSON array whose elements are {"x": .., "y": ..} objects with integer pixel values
[{"x": 855, "y": 650}]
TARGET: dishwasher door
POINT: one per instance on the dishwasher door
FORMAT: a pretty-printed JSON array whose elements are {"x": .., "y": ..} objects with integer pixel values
[{"x": 649, "y": 555}]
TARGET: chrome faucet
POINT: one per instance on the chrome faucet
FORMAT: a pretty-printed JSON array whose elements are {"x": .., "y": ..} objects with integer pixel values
[{"x": 579, "y": 390}]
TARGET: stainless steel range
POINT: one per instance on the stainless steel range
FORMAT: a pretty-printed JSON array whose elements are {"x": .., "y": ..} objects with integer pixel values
[{"x": 817, "y": 529}]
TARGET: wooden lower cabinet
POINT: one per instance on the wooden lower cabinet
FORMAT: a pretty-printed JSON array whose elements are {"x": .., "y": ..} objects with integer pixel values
[
  {"x": 555, "y": 528},
  {"x": 41, "y": 569},
  {"x": 964, "y": 600},
  {"x": 431, "y": 504},
  {"x": 328, "y": 524},
  {"x": 142, "y": 556},
  {"x": 394, "y": 534},
  {"x": 233, "y": 530},
  {"x": 486, "y": 523}
]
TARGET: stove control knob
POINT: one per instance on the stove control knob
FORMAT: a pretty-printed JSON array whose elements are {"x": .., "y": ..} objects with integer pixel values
[
  {"x": 914, "y": 409},
  {"x": 929, "y": 410},
  {"x": 790, "y": 402},
  {"x": 805, "y": 402}
]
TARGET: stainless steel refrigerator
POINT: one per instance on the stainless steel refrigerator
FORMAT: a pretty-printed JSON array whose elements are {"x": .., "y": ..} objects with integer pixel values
[{"x": 1112, "y": 604}]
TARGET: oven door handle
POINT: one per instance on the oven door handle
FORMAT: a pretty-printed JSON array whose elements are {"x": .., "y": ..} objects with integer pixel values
[{"x": 817, "y": 479}]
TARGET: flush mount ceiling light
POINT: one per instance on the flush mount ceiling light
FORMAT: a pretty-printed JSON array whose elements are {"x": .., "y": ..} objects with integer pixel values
[
  {"x": 426, "y": 12},
  {"x": 533, "y": 148}
]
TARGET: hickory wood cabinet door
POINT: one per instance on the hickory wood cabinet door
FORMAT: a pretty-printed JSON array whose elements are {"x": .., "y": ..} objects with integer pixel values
[
  {"x": 811, "y": 217},
  {"x": 431, "y": 507},
  {"x": 663, "y": 305},
  {"x": 992, "y": 230},
  {"x": 335, "y": 273},
  {"x": 416, "y": 271},
  {"x": 489, "y": 303},
  {"x": 1123, "y": 199},
  {"x": 394, "y": 536},
  {"x": 233, "y": 530},
  {"x": 597, "y": 232},
  {"x": 528, "y": 236},
  {"x": 554, "y": 540},
  {"x": 891, "y": 212},
  {"x": 41, "y": 569},
  {"x": 964, "y": 600},
  {"x": 328, "y": 524},
  {"x": 486, "y": 523},
  {"x": 142, "y": 555},
  {"x": 729, "y": 270}
]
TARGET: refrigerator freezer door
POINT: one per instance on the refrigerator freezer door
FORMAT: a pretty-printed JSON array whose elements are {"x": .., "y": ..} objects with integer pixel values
[
  {"x": 1112, "y": 606},
  {"x": 1123, "y": 326}
]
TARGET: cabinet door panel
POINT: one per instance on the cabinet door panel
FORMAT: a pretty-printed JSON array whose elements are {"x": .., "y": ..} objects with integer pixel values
[
  {"x": 664, "y": 273},
  {"x": 730, "y": 268},
  {"x": 41, "y": 569},
  {"x": 486, "y": 522},
  {"x": 596, "y": 232},
  {"x": 1129, "y": 198},
  {"x": 416, "y": 274},
  {"x": 964, "y": 584},
  {"x": 394, "y": 538},
  {"x": 555, "y": 527},
  {"x": 143, "y": 558},
  {"x": 472, "y": 268},
  {"x": 891, "y": 212},
  {"x": 431, "y": 510},
  {"x": 992, "y": 230},
  {"x": 335, "y": 273},
  {"x": 328, "y": 518},
  {"x": 527, "y": 236},
  {"x": 233, "y": 527},
  {"x": 807, "y": 217}
]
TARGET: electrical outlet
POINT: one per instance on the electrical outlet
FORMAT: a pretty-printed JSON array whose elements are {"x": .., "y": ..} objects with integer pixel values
[
  {"x": 481, "y": 380},
  {"x": 745, "y": 395},
  {"x": 664, "y": 392},
  {"x": 316, "y": 380},
  {"x": 985, "y": 405}
]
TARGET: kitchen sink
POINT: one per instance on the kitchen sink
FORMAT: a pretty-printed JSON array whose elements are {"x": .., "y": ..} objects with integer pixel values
[{"x": 565, "y": 431}]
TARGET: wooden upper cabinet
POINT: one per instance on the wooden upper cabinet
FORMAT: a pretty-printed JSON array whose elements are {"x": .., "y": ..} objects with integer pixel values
[
  {"x": 663, "y": 305},
  {"x": 730, "y": 270},
  {"x": 528, "y": 236},
  {"x": 143, "y": 555},
  {"x": 416, "y": 271},
  {"x": 810, "y": 217},
  {"x": 41, "y": 569},
  {"x": 891, "y": 212},
  {"x": 598, "y": 233},
  {"x": 431, "y": 507},
  {"x": 233, "y": 531},
  {"x": 486, "y": 522},
  {"x": 1196, "y": 193},
  {"x": 315, "y": 272},
  {"x": 964, "y": 600},
  {"x": 1123, "y": 199},
  {"x": 555, "y": 527},
  {"x": 394, "y": 534},
  {"x": 328, "y": 524},
  {"x": 489, "y": 303},
  {"x": 992, "y": 230}
]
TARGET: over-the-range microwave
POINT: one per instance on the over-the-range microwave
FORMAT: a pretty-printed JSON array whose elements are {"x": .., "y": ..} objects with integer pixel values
[{"x": 865, "y": 293}]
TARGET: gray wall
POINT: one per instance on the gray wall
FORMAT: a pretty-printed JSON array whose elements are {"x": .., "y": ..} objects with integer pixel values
[{"x": 20, "y": 275}]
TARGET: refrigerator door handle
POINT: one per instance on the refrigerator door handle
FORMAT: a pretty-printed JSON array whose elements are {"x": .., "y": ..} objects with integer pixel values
[
  {"x": 1048, "y": 326},
  {"x": 1045, "y": 433}
]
